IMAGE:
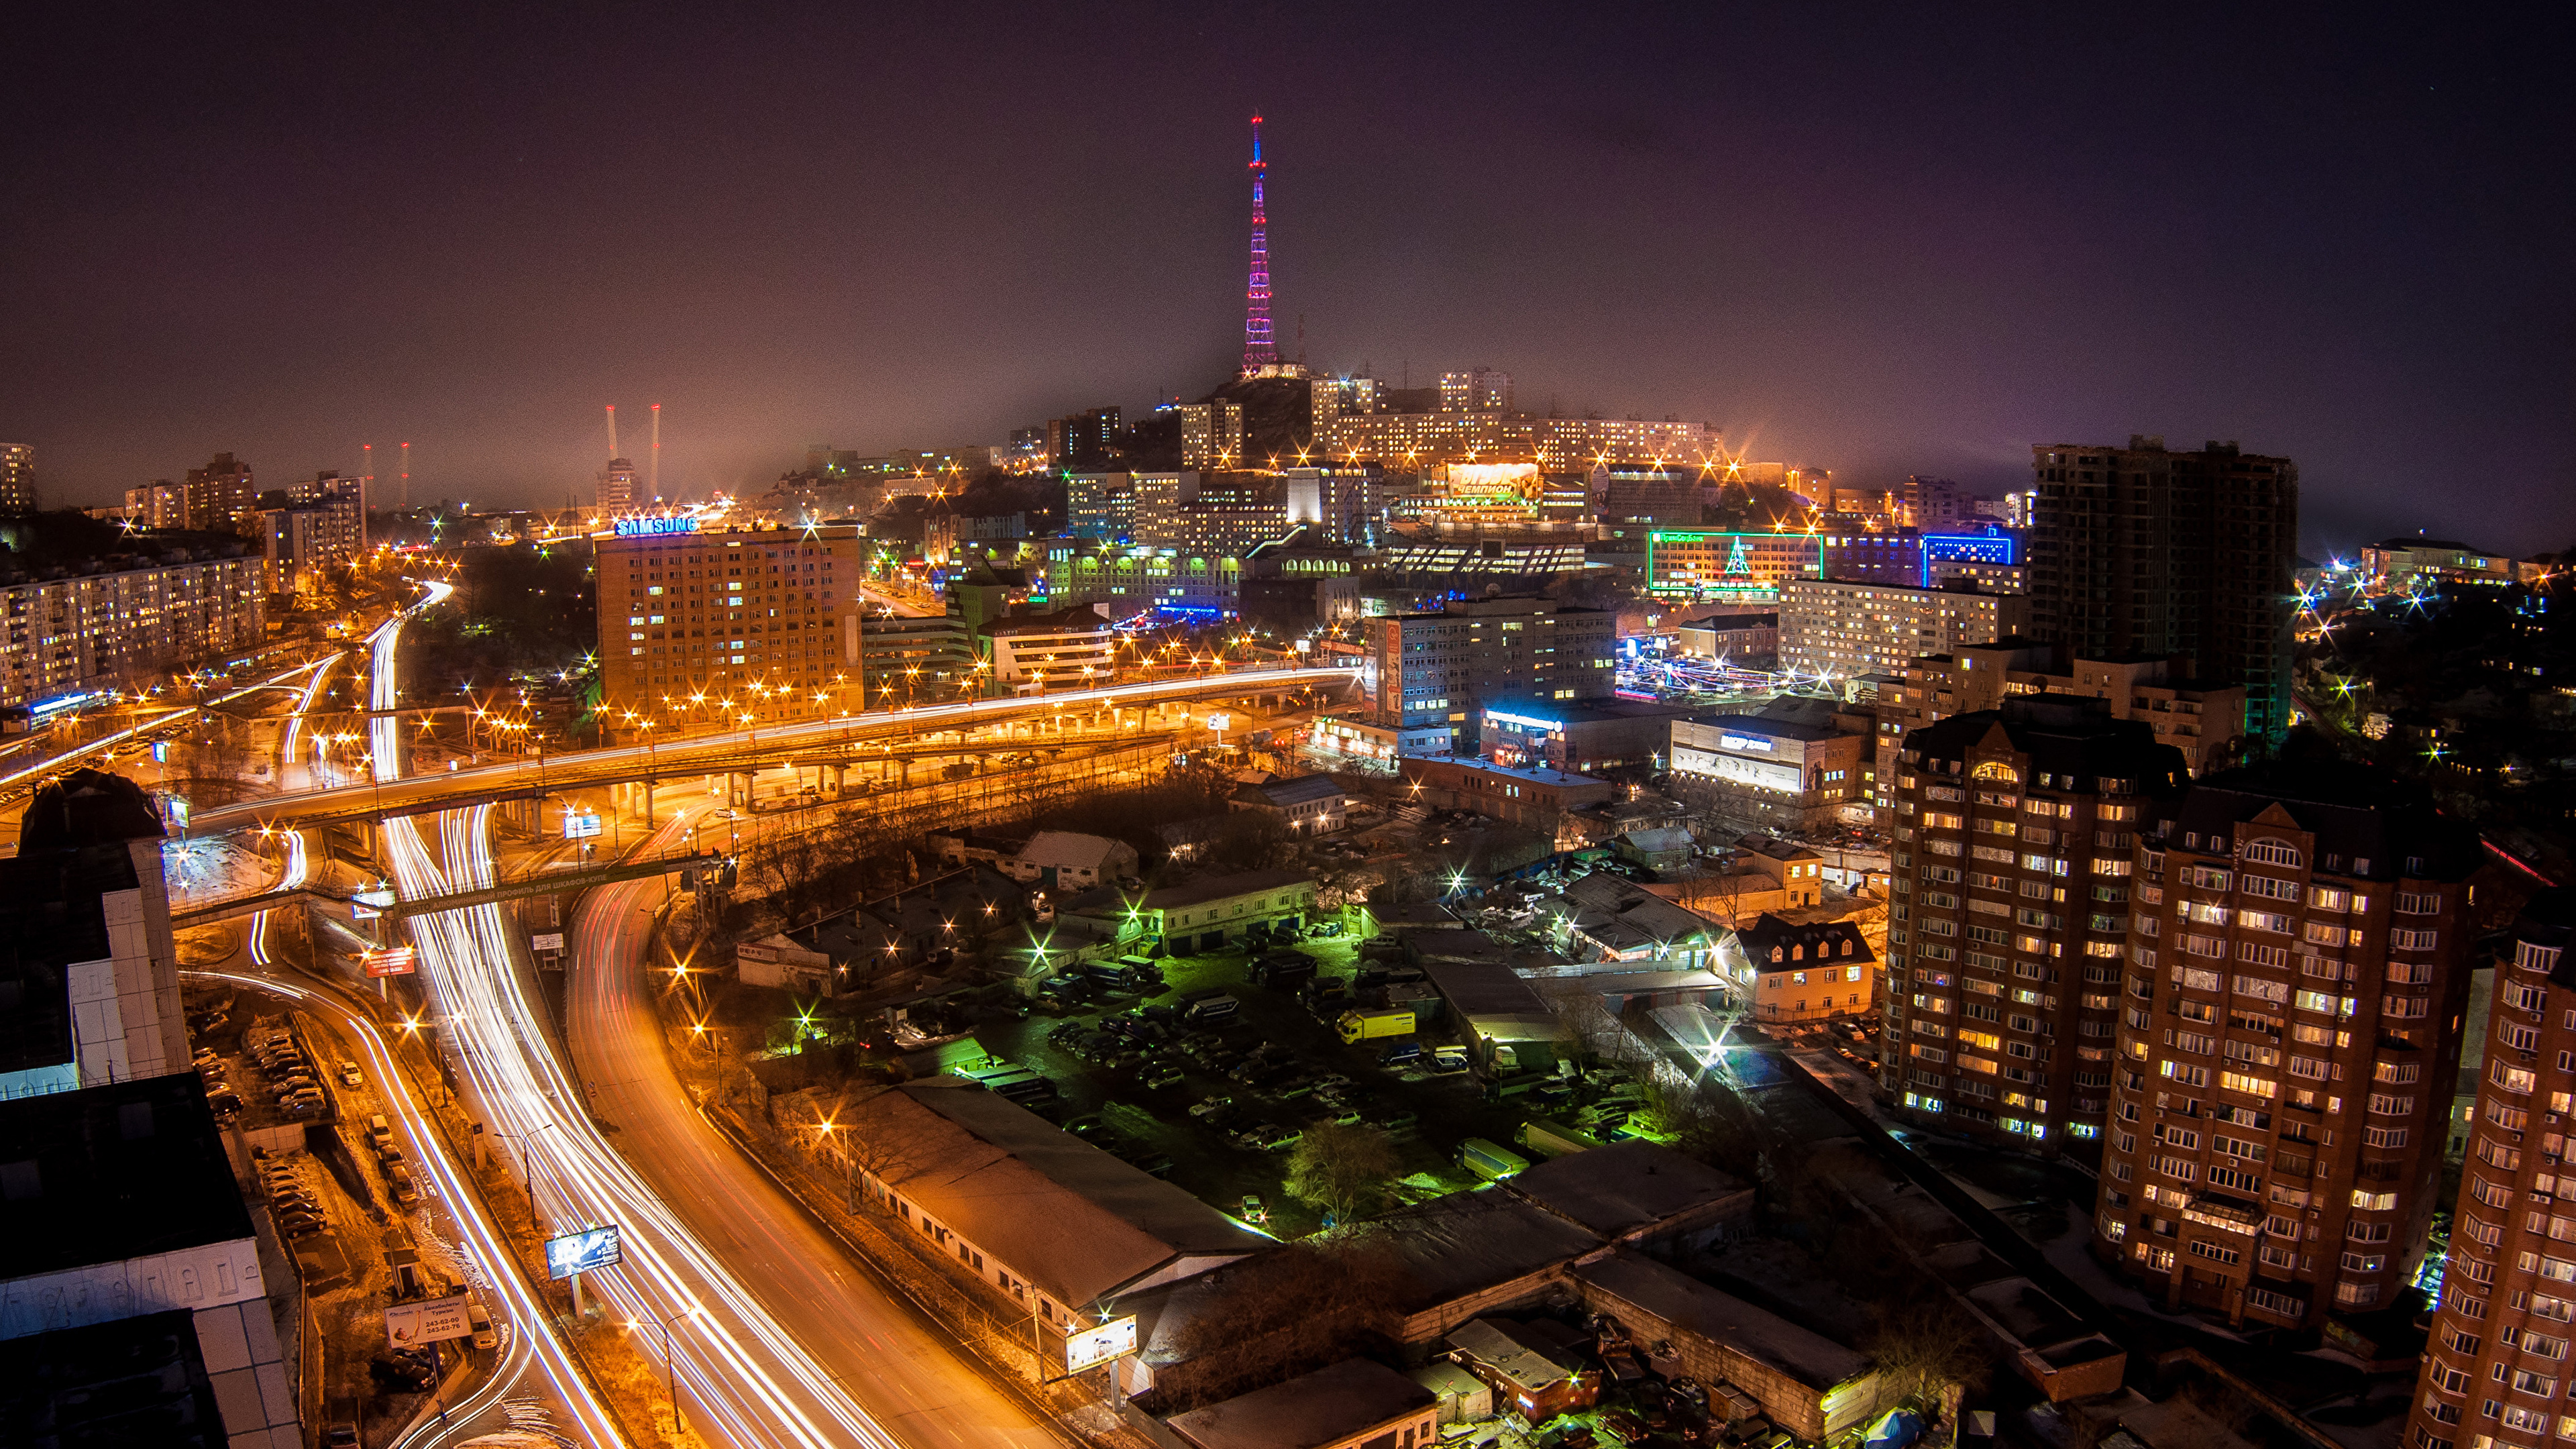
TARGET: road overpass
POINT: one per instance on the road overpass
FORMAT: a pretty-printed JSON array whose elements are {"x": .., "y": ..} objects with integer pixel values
[{"x": 736, "y": 750}]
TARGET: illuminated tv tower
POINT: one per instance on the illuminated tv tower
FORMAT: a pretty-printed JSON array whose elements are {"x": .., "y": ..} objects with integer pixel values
[{"x": 1259, "y": 351}]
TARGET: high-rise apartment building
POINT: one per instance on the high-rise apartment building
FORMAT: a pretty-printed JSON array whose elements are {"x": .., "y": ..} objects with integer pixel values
[
  {"x": 2205, "y": 721},
  {"x": 1477, "y": 390},
  {"x": 1085, "y": 442},
  {"x": 2297, "y": 970},
  {"x": 616, "y": 488},
  {"x": 1100, "y": 506},
  {"x": 223, "y": 497},
  {"x": 323, "y": 528},
  {"x": 17, "y": 478},
  {"x": 2497, "y": 1368},
  {"x": 119, "y": 628},
  {"x": 158, "y": 505},
  {"x": 1439, "y": 668},
  {"x": 2016, "y": 834},
  {"x": 2141, "y": 549},
  {"x": 1843, "y": 630},
  {"x": 1212, "y": 434},
  {"x": 765, "y": 618}
]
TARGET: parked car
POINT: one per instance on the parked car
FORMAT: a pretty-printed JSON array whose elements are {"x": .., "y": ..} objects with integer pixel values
[
  {"x": 1254, "y": 1210},
  {"x": 1207, "y": 1106},
  {"x": 350, "y": 1076}
]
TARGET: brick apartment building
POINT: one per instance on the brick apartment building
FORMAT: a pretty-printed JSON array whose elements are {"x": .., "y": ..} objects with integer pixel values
[
  {"x": 2497, "y": 1364},
  {"x": 2298, "y": 971},
  {"x": 2015, "y": 837}
]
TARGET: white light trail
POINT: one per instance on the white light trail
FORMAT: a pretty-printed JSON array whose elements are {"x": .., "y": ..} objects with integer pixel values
[
  {"x": 748, "y": 1379},
  {"x": 532, "y": 1341}
]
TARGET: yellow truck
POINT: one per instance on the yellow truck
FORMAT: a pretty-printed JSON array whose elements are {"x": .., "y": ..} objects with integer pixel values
[{"x": 1375, "y": 1022}]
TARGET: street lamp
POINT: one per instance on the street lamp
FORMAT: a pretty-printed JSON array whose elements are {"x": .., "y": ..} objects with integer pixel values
[{"x": 670, "y": 1373}]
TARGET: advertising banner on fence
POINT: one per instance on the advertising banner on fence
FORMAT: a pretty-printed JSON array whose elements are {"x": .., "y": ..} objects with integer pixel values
[
  {"x": 396, "y": 961},
  {"x": 409, "y": 1325},
  {"x": 1098, "y": 1344}
]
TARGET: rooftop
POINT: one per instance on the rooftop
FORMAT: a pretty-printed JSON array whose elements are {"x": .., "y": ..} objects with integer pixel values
[
  {"x": 1769, "y": 729},
  {"x": 2355, "y": 814},
  {"x": 1295, "y": 791},
  {"x": 1076, "y": 1221},
  {"x": 2062, "y": 735},
  {"x": 1222, "y": 887},
  {"x": 1324, "y": 1407},
  {"x": 1066, "y": 847},
  {"x": 1823, "y": 940},
  {"x": 110, "y": 1173},
  {"x": 50, "y": 920},
  {"x": 1531, "y": 1355},
  {"x": 1810, "y": 1358},
  {"x": 1467, "y": 1242},
  {"x": 1620, "y": 1188},
  {"x": 1513, "y": 772},
  {"x": 139, "y": 1380}
]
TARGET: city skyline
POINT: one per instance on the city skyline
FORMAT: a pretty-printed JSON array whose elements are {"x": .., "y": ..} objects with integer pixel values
[{"x": 1927, "y": 265}]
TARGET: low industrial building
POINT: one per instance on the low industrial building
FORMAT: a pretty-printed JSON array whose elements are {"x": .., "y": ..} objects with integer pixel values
[
  {"x": 1355, "y": 742},
  {"x": 1495, "y": 1009},
  {"x": 1040, "y": 1216},
  {"x": 1537, "y": 799},
  {"x": 1354, "y": 1404},
  {"x": 1050, "y": 859},
  {"x": 1540, "y": 1367},
  {"x": 1804, "y": 1382},
  {"x": 1640, "y": 1195},
  {"x": 1606, "y": 918},
  {"x": 1305, "y": 805},
  {"x": 1201, "y": 915},
  {"x": 1069, "y": 649}
]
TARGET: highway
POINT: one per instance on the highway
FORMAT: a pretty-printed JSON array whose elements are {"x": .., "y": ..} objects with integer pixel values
[
  {"x": 914, "y": 1383},
  {"x": 745, "y": 1380},
  {"x": 712, "y": 753}
]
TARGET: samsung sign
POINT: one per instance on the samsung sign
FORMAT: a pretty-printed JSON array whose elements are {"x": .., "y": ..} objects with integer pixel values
[{"x": 655, "y": 527}]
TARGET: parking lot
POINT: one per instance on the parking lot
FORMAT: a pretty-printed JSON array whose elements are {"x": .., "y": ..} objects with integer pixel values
[{"x": 1217, "y": 1106}]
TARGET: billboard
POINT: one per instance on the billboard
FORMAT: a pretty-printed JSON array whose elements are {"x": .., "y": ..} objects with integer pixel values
[
  {"x": 409, "y": 1325},
  {"x": 580, "y": 827},
  {"x": 393, "y": 961},
  {"x": 582, "y": 1252},
  {"x": 1099, "y": 1343}
]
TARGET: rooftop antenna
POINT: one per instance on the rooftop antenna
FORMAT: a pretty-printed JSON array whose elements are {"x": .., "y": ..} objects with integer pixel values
[{"x": 656, "y": 463}]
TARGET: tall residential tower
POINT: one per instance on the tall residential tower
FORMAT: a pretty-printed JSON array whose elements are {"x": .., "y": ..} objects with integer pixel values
[{"x": 2145, "y": 550}]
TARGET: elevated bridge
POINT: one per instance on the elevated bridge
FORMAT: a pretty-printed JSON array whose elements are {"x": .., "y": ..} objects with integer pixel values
[
  {"x": 545, "y": 883},
  {"x": 742, "y": 750}
]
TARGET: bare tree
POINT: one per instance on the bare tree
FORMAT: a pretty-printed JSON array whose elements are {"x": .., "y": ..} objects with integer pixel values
[
  {"x": 1929, "y": 1350},
  {"x": 1343, "y": 1170},
  {"x": 1285, "y": 1313}
]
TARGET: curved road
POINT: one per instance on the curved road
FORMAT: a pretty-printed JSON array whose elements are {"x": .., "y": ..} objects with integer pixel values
[{"x": 912, "y": 1382}]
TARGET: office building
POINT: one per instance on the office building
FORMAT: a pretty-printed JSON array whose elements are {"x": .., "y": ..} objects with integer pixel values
[
  {"x": 17, "y": 478},
  {"x": 1701, "y": 563},
  {"x": 2205, "y": 721},
  {"x": 1838, "y": 630},
  {"x": 616, "y": 488},
  {"x": 1212, "y": 434},
  {"x": 1071, "y": 648},
  {"x": 1125, "y": 580},
  {"x": 1085, "y": 442},
  {"x": 904, "y": 661},
  {"x": 2016, "y": 834},
  {"x": 1937, "y": 505},
  {"x": 1440, "y": 667},
  {"x": 1601, "y": 734},
  {"x": 1210, "y": 514},
  {"x": 127, "y": 621},
  {"x": 1345, "y": 504},
  {"x": 766, "y": 619},
  {"x": 2496, "y": 1368},
  {"x": 2297, "y": 966},
  {"x": 223, "y": 497},
  {"x": 2144, "y": 550}
]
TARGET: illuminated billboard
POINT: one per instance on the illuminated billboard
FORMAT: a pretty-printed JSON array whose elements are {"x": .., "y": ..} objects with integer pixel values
[{"x": 583, "y": 1252}]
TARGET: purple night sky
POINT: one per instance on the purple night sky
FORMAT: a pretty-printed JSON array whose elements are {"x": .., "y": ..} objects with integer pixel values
[{"x": 1871, "y": 239}]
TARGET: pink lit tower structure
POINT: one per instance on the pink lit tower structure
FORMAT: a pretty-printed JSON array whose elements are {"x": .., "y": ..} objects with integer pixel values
[{"x": 1260, "y": 352}]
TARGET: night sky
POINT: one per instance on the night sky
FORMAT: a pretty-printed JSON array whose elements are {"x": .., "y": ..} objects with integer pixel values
[{"x": 1856, "y": 239}]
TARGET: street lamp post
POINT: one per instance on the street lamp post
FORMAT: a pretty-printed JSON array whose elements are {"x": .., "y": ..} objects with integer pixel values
[{"x": 670, "y": 1371}]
